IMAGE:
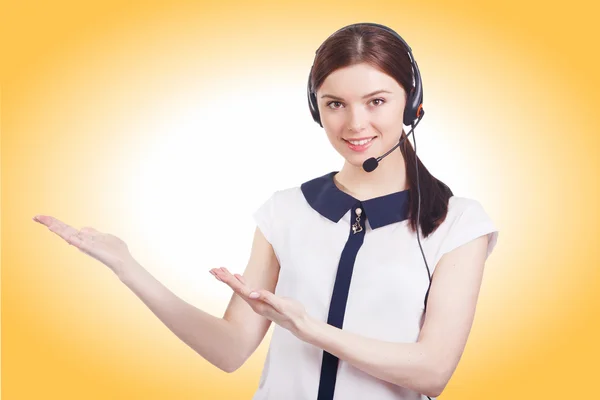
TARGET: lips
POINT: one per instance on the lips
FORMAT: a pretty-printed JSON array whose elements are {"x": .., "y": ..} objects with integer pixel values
[
  {"x": 366, "y": 143},
  {"x": 357, "y": 141}
]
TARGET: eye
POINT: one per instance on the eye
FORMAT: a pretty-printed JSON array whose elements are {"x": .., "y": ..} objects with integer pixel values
[
  {"x": 333, "y": 103},
  {"x": 380, "y": 102}
]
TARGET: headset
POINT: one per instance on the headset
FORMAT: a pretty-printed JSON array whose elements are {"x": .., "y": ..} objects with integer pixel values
[
  {"x": 414, "y": 102},
  {"x": 413, "y": 113}
]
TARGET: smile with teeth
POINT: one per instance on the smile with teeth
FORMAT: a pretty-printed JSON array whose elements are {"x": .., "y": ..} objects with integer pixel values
[
  {"x": 359, "y": 145},
  {"x": 359, "y": 142}
]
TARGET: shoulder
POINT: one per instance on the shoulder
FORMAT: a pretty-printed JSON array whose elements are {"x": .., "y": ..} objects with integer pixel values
[
  {"x": 464, "y": 215},
  {"x": 457, "y": 205},
  {"x": 466, "y": 220},
  {"x": 286, "y": 197},
  {"x": 282, "y": 202},
  {"x": 465, "y": 209},
  {"x": 289, "y": 193},
  {"x": 296, "y": 195}
]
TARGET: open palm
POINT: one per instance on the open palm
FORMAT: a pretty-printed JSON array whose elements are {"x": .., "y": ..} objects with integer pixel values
[{"x": 104, "y": 247}]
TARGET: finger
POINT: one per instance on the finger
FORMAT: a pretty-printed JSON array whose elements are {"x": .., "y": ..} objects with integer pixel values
[
  {"x": 232, "y": 282},
  {"x": 60, "y": 228},
  {"x": 47, "y": 220},
  {"x": 270, "y": 299},
  {"x": 224, "y": 273},
  {"x": 86, "y": 240},
  {"x": 241, "y": 279},
  {"x": 42, "y": 219},
  {"x": 214, "y": 273},
  {"x": 81, "y": 241}
]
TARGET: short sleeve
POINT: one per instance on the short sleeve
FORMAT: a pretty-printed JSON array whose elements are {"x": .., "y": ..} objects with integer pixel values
[
  {"x": 472, "y": 223},
  {"x": 264, "y": 217}
]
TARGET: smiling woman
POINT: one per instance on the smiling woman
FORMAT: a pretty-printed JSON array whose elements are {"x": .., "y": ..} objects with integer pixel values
[
  {"x": 347, "y": 65},
  {"x": 350, "y": 294},
  {"x": 337, "y": 262}
]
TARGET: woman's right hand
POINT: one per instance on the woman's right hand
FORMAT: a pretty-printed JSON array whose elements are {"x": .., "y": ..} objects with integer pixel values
[{"x": 104, "y": 247}]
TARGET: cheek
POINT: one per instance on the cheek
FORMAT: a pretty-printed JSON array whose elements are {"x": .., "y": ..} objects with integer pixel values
[
  {"x": 332, "y": 121},
  {"x": 390, "y": 118},
  {"x": 390, "y": 124},
  {"x": 332, "y": 136},
  {"x": 334, "y": 128}
]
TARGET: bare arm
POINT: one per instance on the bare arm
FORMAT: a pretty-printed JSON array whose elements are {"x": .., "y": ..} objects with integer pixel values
[
  {"x": 427, "y": 365},
  {"x": 206, "y": 334},
  {"x": 224, "y": 342},
  {"x": 262, "y": 272}
]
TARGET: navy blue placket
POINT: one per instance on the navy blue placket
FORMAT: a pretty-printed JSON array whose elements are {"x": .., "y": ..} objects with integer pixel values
[{"x": 339, "y": 297}]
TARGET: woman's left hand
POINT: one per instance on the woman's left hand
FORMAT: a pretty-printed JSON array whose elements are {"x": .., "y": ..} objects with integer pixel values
[{"x": 284, "y": 311}]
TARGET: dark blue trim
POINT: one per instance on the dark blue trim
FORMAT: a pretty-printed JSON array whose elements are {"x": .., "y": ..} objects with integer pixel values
[
  {"x": 328, "y": 200},
  {"x": 339, "y": 298}
]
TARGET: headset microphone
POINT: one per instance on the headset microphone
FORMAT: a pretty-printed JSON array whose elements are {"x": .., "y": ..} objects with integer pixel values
[
  {"x": 371, "y": 163},
  {"x": 413, "y": 112}
]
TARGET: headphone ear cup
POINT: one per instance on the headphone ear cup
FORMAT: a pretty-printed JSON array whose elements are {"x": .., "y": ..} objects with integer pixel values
[
  {"x": 312, "y": 103},
  {"x": 414, "y": 100},
  {"x": 413, "y": 107},
  {"x": 314, "y": 109},
  {"x": 409, "y": 109}
]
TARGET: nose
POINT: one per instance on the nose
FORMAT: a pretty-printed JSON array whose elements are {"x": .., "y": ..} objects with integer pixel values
[{"x": 357, "y": 120}]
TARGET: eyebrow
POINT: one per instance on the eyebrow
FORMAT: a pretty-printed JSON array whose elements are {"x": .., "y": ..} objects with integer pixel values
[{"x": 364, "y": 97}]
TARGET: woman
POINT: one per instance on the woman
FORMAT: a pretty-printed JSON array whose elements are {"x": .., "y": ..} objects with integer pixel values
[{"x": 342, "y": 250}]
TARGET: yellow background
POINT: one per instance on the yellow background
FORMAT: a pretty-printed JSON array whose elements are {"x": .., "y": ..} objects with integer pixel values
[{"x": 515, "y": 83}]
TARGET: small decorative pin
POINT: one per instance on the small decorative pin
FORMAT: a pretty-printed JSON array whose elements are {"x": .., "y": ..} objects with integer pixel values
[{"x": 356, "y": 226}]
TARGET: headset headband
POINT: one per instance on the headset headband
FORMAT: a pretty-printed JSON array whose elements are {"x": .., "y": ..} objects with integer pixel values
[{"x": 414, "y": 101}]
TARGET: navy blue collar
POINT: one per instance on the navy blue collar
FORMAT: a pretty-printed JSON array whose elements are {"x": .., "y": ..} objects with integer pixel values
[{"x": 328, "y": 200}]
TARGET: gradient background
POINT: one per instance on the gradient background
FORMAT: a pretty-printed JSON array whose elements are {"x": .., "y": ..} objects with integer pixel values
[{"x": 118, "y": 116}]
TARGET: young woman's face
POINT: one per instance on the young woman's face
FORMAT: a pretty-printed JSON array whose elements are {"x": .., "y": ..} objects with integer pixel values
[{"x": 359, "y": 122}]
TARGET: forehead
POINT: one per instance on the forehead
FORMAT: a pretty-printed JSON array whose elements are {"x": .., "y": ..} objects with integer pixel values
[{"x": 358, "y": 79}]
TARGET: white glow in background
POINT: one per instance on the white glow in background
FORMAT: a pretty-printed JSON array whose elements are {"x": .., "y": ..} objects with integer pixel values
[{"x": 213, "y": 159}]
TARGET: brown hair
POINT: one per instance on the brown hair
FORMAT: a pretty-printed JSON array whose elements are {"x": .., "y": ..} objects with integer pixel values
[{"x": 384, "y": 51}]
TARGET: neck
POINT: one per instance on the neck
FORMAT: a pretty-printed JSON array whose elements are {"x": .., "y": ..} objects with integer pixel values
[{"x": 389, "y": 177}]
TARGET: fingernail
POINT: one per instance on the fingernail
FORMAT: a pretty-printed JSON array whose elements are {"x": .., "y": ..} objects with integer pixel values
[{"x": 253, "y": 295}]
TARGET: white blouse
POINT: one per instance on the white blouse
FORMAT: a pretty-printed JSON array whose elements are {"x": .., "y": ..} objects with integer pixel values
[{"x": 372, "y": 282}]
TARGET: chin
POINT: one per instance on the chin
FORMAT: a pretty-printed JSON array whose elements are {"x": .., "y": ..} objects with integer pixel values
[{"x": 357, "y": 160}]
